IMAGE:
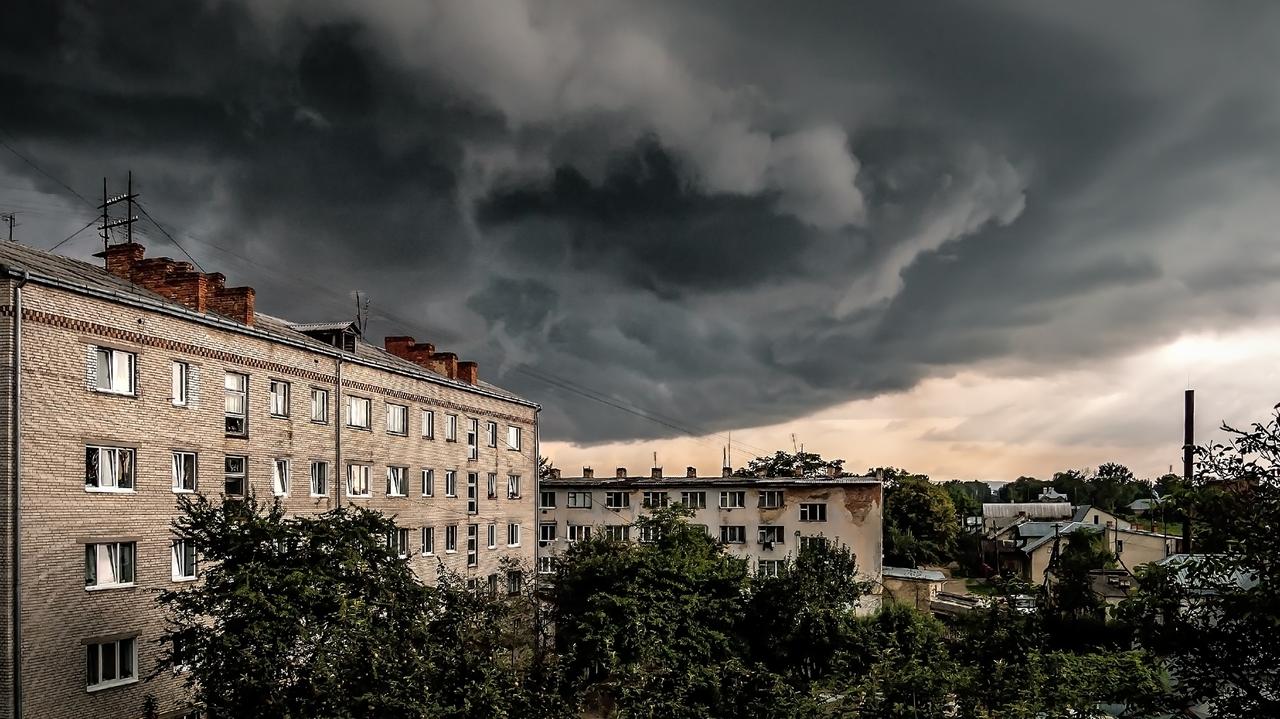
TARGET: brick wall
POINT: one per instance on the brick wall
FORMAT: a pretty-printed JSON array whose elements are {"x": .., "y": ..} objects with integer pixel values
[
  {"x": 6, "y": 486},
  {"x": 62, "y": 415}
]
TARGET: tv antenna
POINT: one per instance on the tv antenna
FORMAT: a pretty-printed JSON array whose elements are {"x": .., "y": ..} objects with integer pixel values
[{"x": 108, "y": 222}]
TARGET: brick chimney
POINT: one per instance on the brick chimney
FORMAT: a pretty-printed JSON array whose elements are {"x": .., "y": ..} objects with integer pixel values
[
  {"x": 588, "y": 473},
  {"x": 621, "y": 473},
  {"x": 726, "y": 471},
  {"x": 690, "y": 472},
  {"x": 424, "y": 355},
  {"x": 655, "y": 473},
  {"x": 555, "y": 473},
  {"x": 180, "y": 282}
]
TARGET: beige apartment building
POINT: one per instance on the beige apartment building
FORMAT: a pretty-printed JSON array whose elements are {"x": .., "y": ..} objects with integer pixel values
[
  {"x": 125, "y": 387},
  {"x": 762, "y": 519}
]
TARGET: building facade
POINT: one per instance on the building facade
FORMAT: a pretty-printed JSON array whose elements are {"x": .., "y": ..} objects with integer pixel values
[
  {"x": 764, "y": 520},
  {"x": 126, "y": 387}
]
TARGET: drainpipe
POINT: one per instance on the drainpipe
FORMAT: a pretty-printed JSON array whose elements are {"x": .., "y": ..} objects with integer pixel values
[
  {"x": 16, "y": 499},
  {"x": 338, "y": 476}
]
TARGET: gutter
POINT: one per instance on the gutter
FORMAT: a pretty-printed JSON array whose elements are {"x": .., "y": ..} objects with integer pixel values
[
  {"x": 227, "y": 324},
  {"x": 339, "y": 476},
  {"x": 16, "y": 497}
]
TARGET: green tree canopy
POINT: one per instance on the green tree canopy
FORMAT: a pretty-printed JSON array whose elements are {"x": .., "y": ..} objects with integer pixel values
[
  {"x": 920, "y": 524},
  {"x": 798, "y": 464}
]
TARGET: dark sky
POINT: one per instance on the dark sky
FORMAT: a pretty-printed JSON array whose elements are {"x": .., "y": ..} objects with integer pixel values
[{"x": 730, "y": 213}]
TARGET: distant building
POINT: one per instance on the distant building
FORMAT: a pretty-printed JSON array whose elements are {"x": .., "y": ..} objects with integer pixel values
[
  {"x": 915, "y": 587},
  {"x": 998, "y": 515},
  {"x": 1049, "y": 494},
  {"x": 1026, "y": 549},
  {"x": 762, "y": 519}
]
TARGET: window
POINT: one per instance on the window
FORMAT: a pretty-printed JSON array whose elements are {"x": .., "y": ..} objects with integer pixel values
[
  {"x": 650, "y": 533},
  {"x": 493, "y": 536},
  {"x": 493, "y": 585},
  {"x": 579, "y": 532},
  {"x": 493, "y": 485},
  {"x": 653, "y": 500},
  {"x": 451, "y": 538},
  {"x": 233, "y": 470},
  {"x": 813, "y": 512},
  {"x": 513, "y": 535},
  {"x": 279, "y": 392},
  {"x": 399, "y": 542},
  {"x": 733, "y": 500},
  {"x": 1119, "y": 546},
  {"x": 473, "y": 542},
  {"x": 111, "y": 663},
  {"x": 473, "y": 479},
  {"x": 184, "y": 560},
  {"x": 451, "y": 428},
  {"x": 397, "y": 478},
  {"x": 579, "y": 500},
  {"x": 514, "y": 580},
  {"x": 769, "y": 567},
  {"x": 450, "y": 483},
  {"x": 546, "y": 565},
  {"x": 319, "y": 479},
  {"x": 770, "y": 498},
  {"x": 115, "y": 370},
  {"x": 546, "y": 500},
  {"x": 280, "y": 477},
  {"x": 428, "y": 424},
  {"x": 108, "y": 469},
  {"x": 236, "y": 399},
  {"x": 733, "y": 534},
  {"x": 179, "y": 389},
  {"x": 491, "y": 434},
  {"x": 546, "y": 533},
  {"x": 320, "y": 405},
  {"x": 110, "y": 564},
  {"x": 398, "y": 419},
  {"x": 358, "y": 480},
  {"x": 184, "y": 471},
  {"x": 769, "y": 535},
  {"x": 428, "y": 540},
  {"x": 473, "y": 438},
  {"x": 513, "y": 438},
  {"x": 694, "y": 500},
  {"x": 358, "y": 412},
  {"x": 812, "y": 542},
  {"x": 617, "y": 532},
  {"x": 513, "y": 486},
  {"x": 618, "y": 500},
  {"x": 428, "y": 483}
]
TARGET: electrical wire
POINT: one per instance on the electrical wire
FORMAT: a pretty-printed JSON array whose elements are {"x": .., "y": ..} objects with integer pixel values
[
  {"x": 172, "y": 239},
  {"x": 73, "y": 234}
]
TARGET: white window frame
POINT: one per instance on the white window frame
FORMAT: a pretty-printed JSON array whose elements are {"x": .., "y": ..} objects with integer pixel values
[
  {"x": 319, "y": 486},
  {"x": 178, "y": 556},
  {"x": 278, "y": 398},
  {"x": 111, "y": 557},
  {"x": 242, "y": 474},
  {"x": 662, "y": 496},
  {"x": 491, "y": 434},
  {"x": 451, "y": 483},
  {"x": 492, "y": 535},
  {"x": 114, "y": 474},
  {"x": 117, "y": 371},
  {"x": 770, "y": 533},
  {"x": 180, "y": 387},
  {"x": 428, "y": 424},
  {"x": 766, "y": 496},
  {"x": 319, "y": 405},
  {"x": 354, "y": 415},
  {"x": 473, "y": 438},
  {"x": 733, "y": 499},
  {"x": 428, "y": 541},
  {"x": 235, "y": 395},
  {"x": 577, "y": 533},
  {"x": 451, "y": 539},
  {"x": 617, "y": 500},
  {"x": 547, "y": 532},
  {"x": 492, "y": 485},
  {"x": 398, "y": 412},
  {"x": 123, "y": 647},
  {"x": 473, "y": 545},
  {"x": 513, "y": 486},
  {"x": 542, "y": 499},
  {"x": 699, "y": 499},
  {"x": 399, "y": 541},
  {"x": 768, "y": 567},
  {"x": 618, "y": 532},
  {"x": 397, "y": 475},
  {"x": 451, "y": 428},
  {"x": 813, "y": 511},
  {"x": 515, "y": 580},
  {"x": 180, "y": 462},
  {"x": 514, "y": 438},
  {"x": 513, "y": 534},
  {"x": 281, "y": 469},
  {"x": 473, "y": 492},
  {"x": 546, "y": 565},
  {"x": 733, "y": 534},
  {"x": 359, "y": 474},
  {"x": 578, "y": 500},
  {"x": 428, "y": 483}
]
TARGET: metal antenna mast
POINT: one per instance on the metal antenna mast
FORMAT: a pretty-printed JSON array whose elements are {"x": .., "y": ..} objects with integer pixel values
[{"x": 126, "y": 221}]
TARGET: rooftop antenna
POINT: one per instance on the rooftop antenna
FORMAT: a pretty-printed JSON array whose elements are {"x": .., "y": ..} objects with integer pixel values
[
  {"x": 127, "y": 221},
  {"x": 793, "y": 443},
  {"x": 362, "y": 310},
  {"x": 8, "y": 218}
]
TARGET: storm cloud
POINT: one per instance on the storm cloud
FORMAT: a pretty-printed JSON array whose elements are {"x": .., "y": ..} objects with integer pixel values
[{"x": 731, "y": 214}]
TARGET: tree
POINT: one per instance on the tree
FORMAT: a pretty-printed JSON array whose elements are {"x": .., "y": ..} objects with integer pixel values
[
  {"x": 799, "y": 464},
  {"x": 1071, "y": 593},
  {"x": 1212, "y": 616},
  {"x": 1022, "y": 489},
  {"x": 546, "y": 468},
  {"x": 967, "y": 497},
  {"x": 920, "y": 524}
]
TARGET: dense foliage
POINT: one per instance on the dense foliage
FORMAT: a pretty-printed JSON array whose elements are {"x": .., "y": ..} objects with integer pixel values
[
  {"x": 788, "y": 464},
  {"x": 920, "y": 522}
]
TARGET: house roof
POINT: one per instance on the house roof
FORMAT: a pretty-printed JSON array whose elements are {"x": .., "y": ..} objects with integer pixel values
[
  {"x": 45, "y": 267},
  {"x": 1143, "y": 505},
  {"x": 643, "y": 482},
  {"x": 1033, "y": 510},
  {"x": 1063, "y": 530},
  {"x": 917, "y": 575}
]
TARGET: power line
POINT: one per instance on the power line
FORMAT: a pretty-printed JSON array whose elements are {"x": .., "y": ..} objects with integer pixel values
[
  {"x": 73, "y": 234},
  {"x": 41, "y": 170},
  {"x": 171, "y": 237}
]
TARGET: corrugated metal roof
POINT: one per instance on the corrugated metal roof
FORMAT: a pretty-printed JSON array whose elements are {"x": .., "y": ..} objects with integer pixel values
[
  {"x": 347, "y": 326},
  {"x": 1065, "y": 529},
  {"x": 1034, "y": 510},
  {"x": 921, "y": 575}
]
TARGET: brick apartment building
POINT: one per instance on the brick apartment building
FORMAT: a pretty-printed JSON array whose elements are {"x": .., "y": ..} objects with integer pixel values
[
  {"x": 762, "y": 519},
  {"x": 148, "y": 379}
]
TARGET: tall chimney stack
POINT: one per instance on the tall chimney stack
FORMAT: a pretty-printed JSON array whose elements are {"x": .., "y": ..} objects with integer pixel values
[{"x": 1188, "y": 456}]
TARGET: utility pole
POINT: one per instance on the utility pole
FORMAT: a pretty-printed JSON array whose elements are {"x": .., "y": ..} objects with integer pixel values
[
  {"x": 127, "y": 221},
  {"x": 7, "y": 218}
]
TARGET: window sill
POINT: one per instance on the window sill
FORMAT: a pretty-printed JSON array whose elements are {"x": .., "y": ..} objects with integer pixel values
[
  {"x": 494, "y": 546},
  {"x": 397, "y": 496},
  {"x": 108, "y": 490},
  {"x": 359, "y": 496},
  {"x": 237, "y": 436},
  {"x": 512, "y": 546},
  {"x": 111, "y": 685},
  {"x": 178, "y": 405},
  {"x": 182, "y": 579},
  {"x": 319, "y": 496},
  {"x": 450, "y": 496},
  {"x": 319, "y": 421},
  {"x": 176, "y": 490},
  {"x": 358, "y": 427},
  {"x": 280, "y": 495},
  {"x": 547, "y": 509},
  {"x": 428, "y": 496},
  {"x": 450, "y": 551},
  {"x": 115, "y": 393},
  {"x": 397, "y": 434},
  {"x": 428, "y": 554},
  {"x": 106, "y": 587}
]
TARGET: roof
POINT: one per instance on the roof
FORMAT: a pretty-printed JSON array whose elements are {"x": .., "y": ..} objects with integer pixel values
[
  {"x": 1034, "y": 510},
  {"x": 641, "y": 482},
  {"x": 1063, "y": 529},
  {"x": 347, "y": 326},
  {"x": 1218, "y": 572},
  {"x": 918, "y": 575},
  {"x": 1143, "y": 505},
  {"x": 48, "y": 268}
]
